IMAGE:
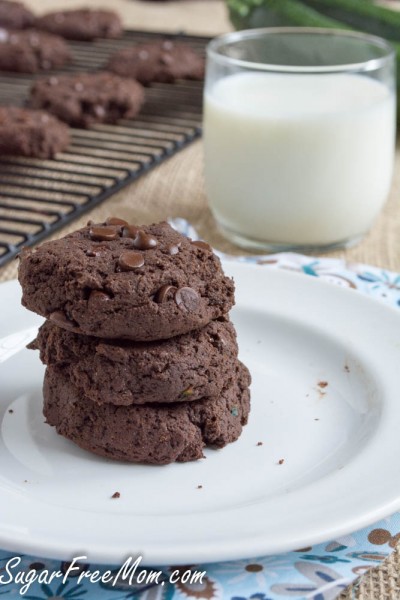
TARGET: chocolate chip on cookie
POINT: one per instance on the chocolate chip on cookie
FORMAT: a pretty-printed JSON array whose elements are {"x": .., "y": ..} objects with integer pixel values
[
  {"x": 87, "y": 98},
  {"x": 164, "y": 61},
  {"x": 163, "y": 296}
]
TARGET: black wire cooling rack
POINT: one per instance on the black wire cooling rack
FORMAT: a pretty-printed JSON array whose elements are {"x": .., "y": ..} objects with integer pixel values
[{"x": 37, "y": 197}]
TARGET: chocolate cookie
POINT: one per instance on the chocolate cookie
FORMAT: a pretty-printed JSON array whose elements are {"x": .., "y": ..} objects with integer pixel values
[
  {"x": 87, "y": 98},
  {"x": 14, "y": 15},
  {"x": 156, "y": 433},
  {"x": 160, "y": 61},
  {"x": 31, "y": 51},
  {"x": 185, "y": 368},
  {"x": 82, "y": 24},
  {"x": 116, "y": 280},
  {"x": 33, "y": 133}
]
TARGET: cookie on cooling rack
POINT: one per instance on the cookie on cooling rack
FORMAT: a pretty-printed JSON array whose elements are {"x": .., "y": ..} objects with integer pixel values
[
  {"x": 88, "y": 98},
  {"x": 32, "y": 51},
  {"x": 149, "y": 433},
  {"x": 15, "y": 15},
  {"x": 32, "y": 133},
  {"x": 82, "y": 24},
  {"x": 164, "y": 61},
  {"x": 116, "y": 280}
]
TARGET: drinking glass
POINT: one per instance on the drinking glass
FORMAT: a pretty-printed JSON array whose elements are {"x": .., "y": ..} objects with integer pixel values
[{"x": 299, "y": 132}]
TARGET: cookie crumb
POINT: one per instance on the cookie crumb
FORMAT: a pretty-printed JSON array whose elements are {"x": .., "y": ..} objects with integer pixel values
[
  {"x": 199, "y": 487},
  {"x": 10, "y": 410},
  {"x": 346, "y": 368},
  {"x": 322, "y": 384},
  {"x": 316, "y": 419},
  {"x": 281, "y": 461},
  {"x": 259, "y": 444},
  {"x": 116, "y": 495}
]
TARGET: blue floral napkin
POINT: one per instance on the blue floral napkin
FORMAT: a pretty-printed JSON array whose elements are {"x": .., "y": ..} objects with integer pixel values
[{"x": 320, "y": 572}]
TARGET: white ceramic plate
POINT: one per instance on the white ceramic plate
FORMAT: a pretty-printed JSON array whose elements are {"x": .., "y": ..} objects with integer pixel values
[{"x": 340, "y": 443}]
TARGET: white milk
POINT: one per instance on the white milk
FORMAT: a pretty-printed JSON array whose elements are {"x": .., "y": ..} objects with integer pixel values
[{"x": 298, "y": 159}]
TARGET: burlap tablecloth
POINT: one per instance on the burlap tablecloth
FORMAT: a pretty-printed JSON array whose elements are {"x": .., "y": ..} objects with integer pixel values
[{"x": 175, "y": 188}]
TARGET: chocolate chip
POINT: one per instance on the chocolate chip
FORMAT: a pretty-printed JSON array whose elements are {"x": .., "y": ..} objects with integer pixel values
[
  {"x": 130, "y": 260},
  {"x": 166, "y": 59},
  {"x": 174, "y": 249},
  {"x": 98, "y": 296},
  {"x": 202, "y": 245},
  {"x": 115, "y": 221},
  {"x": 96, "y": 251},
  {"x": 103, "y": 234},
  {"x": 187, "y": 299},
  {"x": 59, "y": 318},
  {"x": 217, "y": 341},
  {"x": 130, "y": 231},
  {"x": 143, "y": 241},
  {"x": 99, "y": 111},
  {"x": 34, "y": 40},
  {"x": 163, "y": 293}
]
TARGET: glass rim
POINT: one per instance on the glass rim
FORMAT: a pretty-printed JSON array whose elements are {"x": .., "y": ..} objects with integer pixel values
[{"x": 215, "y": 45}]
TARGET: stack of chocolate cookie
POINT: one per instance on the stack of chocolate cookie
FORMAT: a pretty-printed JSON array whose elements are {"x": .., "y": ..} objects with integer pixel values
[{"x": 141, "y": 356}]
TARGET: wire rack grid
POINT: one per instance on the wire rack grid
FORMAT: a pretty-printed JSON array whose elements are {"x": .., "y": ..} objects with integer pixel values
[{"x": 38, "y": 197}]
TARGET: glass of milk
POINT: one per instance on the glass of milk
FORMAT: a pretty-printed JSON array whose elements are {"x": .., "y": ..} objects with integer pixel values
[{"x": 299, "y": 133}]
